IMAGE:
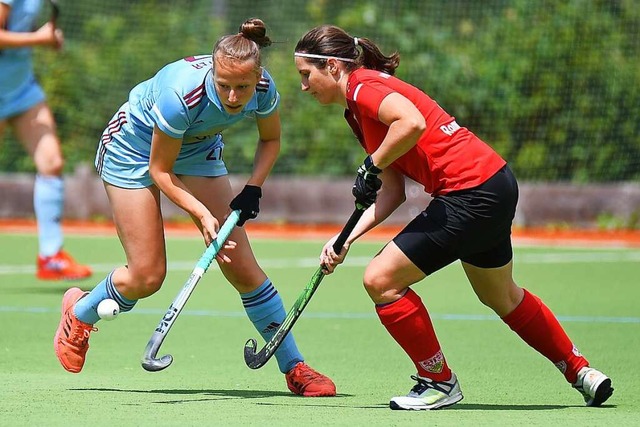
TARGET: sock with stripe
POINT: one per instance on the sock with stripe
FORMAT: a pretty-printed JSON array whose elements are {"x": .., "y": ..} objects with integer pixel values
[
  {"x": 48, "y": 203},
  {"x": 86, "y": 308},
  {"x": 408, "y": 322},
  {"x": 265, "y": 309},
  {"x": 537, "y": 326}
]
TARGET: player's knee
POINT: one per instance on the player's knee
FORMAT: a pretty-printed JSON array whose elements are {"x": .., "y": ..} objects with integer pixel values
[
  {"x": 149, "y": 283},
  {"x": 376, "y": 283},
  {"x": 503, "y": 302},
  {"x": 52, "y": 165}
]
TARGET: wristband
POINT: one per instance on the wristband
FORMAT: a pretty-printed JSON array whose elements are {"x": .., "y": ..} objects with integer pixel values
[{"x": 370, "y": 167}]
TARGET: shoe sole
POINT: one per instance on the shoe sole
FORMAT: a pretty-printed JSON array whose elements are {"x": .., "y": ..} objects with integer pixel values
[
  {"x": 603, "y": 392},
  {"x": 440, "y": 405},
  {"x": 324, "y": 394}
]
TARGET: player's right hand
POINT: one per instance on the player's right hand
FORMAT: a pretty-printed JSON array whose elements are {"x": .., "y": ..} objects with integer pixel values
[
  {"x": 329, "y": 259},
  {"x": 50, "y": 35}
]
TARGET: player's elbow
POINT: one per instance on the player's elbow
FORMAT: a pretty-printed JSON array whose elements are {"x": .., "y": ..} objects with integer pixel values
[
  {"x": 156, "y": 174},
  {"x": 416, "y": 126}
]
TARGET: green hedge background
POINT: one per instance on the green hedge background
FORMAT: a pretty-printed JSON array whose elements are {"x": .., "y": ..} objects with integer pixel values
[{"x": 554, "y": 86}]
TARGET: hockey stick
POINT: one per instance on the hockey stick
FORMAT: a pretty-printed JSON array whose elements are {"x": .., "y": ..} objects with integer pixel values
[
  {"x": 149, "y": 360},
  {"x": 256, "y": 360}
]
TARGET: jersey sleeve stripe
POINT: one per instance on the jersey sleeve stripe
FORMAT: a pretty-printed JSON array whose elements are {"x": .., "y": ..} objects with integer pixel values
[
  {"x": 194, "y": 97},
  {"x": 273, "y": 107},
  {"x": 165, "y": 123},
  {"x": 355, "y": 92}
]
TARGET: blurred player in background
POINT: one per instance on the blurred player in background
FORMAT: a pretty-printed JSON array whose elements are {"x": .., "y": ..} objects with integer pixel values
[
  {"x": 406, "y": 134},
  {"x": 23, "y": 107},
  {"x": 167, "y": 139}
]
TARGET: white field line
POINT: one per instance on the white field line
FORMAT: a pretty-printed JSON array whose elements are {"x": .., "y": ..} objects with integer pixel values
[
  {"x": 334, "y": 315},
  {"x": 359, "y": 262}
]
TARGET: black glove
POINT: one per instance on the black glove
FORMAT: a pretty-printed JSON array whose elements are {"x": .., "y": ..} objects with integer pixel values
[
  {"x": 367, "y": 184},
  {"x": 248, "y": 201}
]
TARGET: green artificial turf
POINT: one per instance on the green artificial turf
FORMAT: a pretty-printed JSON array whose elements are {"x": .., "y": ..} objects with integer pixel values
[{"x": 594, "y": 292}]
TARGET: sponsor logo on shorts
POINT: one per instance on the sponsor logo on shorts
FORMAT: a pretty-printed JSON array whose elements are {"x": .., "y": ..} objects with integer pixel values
[{"x": 434, "y": 364}]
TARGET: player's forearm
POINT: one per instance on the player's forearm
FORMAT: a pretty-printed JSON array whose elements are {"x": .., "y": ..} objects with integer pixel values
[
  {"x": 401, "y": 137},
  {"x": 375, "y": 215},
  {"x": 390, "y": 196},
  {"x": 265, "y": 157},
  {"x": 178, "y": 193},
  {"x": 9, "y": 39}
]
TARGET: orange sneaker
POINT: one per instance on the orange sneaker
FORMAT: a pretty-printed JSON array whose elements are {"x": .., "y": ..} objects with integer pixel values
[
  {"x": 61, "y": 266},
  {"x": 304, "y": 381},
  {"x": 72, "y": 337}
]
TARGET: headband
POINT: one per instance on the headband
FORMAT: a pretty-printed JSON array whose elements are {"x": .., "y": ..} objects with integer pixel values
[{"x": 313, "y": 55}]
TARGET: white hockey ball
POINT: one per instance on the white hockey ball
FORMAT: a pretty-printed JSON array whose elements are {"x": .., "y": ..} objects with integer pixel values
[{"x": 108, "y": 309}]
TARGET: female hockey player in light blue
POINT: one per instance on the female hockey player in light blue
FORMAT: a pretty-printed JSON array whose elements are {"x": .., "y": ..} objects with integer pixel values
[{"x": 167, "y": 139}]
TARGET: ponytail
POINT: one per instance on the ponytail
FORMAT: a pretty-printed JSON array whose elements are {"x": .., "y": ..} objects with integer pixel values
[{"x": 329, "y": 41}]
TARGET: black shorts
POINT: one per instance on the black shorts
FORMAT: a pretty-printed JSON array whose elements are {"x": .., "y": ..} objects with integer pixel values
[{"x": 472, "y": 225}]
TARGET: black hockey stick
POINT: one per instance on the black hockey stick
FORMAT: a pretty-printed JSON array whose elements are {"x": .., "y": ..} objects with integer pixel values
[
  {"x": 256, "y": 360},
  {"x": 149, "y": 360},
  {"x": 55, "y": 11}
]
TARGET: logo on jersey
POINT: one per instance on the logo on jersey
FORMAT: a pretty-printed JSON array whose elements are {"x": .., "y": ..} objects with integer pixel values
[
  {"x": 199, "y": 61},
  {"x": 451, "y": 128}
]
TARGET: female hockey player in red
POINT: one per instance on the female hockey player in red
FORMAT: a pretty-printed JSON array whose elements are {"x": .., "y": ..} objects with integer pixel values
[{"x": 405, "y": 133}]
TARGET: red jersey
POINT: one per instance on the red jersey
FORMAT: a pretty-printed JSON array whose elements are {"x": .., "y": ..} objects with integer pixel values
[{"x": 446, "y": 158}]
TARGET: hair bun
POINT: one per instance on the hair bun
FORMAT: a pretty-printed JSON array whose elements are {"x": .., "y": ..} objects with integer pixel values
[{"x": 255, "y": 29}]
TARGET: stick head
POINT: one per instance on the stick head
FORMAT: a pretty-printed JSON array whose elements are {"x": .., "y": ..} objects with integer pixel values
[
  {"x": 250, "y": 354},
  {"x": 154, "y": 365}
]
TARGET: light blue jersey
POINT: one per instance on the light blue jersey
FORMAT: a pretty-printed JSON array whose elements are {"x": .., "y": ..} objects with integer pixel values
[
  {"x": 182, "y": 102},
  {"x": 19, "y": 90}
]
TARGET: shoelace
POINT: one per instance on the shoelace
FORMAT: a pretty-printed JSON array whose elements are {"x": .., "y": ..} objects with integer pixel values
[
  {"x": 57, "y": 263},
  {"x": 423, "y": 385},
  {"x": 307, "y": 374},
  {"x": 80, "y": 334}
]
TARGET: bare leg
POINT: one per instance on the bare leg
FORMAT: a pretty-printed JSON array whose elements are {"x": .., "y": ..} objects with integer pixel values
[
  {"x": 138, "y": 220},
  {"x": 243, "y": 272},
  {"x": 36, "y": 130},
  {"x": 495, "y": 287}
]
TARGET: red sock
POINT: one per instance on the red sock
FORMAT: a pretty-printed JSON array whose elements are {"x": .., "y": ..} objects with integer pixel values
[
  {"x": 539, "y": 328},
  {"x": 409, "y": 324}
]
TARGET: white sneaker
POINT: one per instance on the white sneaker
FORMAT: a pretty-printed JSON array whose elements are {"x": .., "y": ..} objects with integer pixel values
[
  {"x": 594, "y": 386},
  {"x": 429, "y": 394}
]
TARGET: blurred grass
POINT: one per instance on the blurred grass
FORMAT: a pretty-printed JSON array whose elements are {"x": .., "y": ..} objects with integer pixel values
[{"x": 593, "y": 291}]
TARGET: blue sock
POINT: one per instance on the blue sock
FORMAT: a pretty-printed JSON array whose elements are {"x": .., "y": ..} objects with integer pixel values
[
  {"x": 48, "y": 203},
  {"x": 86, "y": 308},
  {"x": 265, "y": 309}
]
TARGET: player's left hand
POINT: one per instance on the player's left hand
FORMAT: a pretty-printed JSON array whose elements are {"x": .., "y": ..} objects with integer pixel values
[
  {"x": 367, "y": 184},
  {"x": 248, "y": 201}
]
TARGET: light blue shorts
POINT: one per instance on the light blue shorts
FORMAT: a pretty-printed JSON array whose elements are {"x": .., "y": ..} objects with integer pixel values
[
  {"x": 20, "y": 100},
  {"x": 122, "y": 159}
]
